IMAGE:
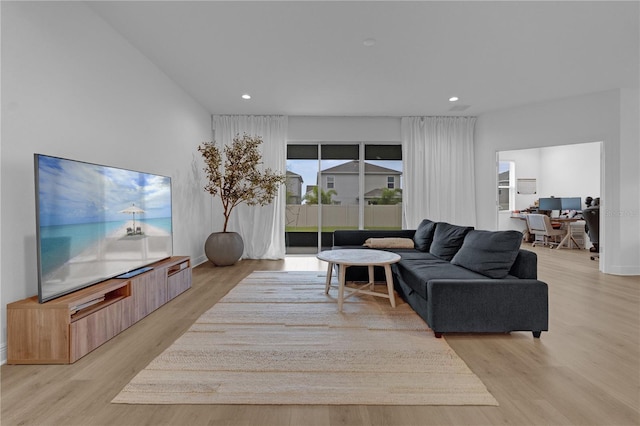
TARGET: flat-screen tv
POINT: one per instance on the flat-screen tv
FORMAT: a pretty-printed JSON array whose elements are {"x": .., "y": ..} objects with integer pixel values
[{"x": 96, "y": 222}]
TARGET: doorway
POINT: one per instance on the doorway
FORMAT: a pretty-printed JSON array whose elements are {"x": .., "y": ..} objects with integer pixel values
[{"x": 558, "y": 171}]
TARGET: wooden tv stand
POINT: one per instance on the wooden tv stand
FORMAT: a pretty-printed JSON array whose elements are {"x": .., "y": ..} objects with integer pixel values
[{"x": 65, "y": 329}]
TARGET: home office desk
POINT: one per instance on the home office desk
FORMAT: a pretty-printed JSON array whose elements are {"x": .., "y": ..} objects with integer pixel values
[{"x": 568, "y": 237}]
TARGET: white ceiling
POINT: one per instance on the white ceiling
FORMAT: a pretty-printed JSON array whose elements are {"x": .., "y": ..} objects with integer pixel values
[{"x": 308, "y": 58}]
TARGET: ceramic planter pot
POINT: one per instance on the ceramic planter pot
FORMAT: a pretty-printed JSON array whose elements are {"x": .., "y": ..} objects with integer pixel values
[{"x": 224, "y": 248}]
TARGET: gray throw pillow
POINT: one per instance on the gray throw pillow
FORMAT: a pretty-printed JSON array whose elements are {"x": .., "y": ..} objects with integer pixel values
[
  {"x": 447, "y": 239},
  {"x": 489, "y": 253},
  {"x": 424, "y": 235}
]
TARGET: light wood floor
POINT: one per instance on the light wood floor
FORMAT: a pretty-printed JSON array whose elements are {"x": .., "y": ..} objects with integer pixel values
[{"x": 585, "y": 370}]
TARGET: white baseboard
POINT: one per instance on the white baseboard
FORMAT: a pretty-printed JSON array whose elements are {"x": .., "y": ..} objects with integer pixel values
[
  {"x": 623, "y": 270},
  {"x": 199, "y": 261},
  {"x": 3, "y": 354}
]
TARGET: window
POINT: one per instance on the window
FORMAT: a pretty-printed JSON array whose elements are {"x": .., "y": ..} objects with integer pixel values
[
  {"x": 391, "y": 182},
  {"x": 330, "y": 182},
  {"x": 506, "y": 185}
]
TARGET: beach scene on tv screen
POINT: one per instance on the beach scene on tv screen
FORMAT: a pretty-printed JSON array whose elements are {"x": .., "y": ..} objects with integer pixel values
[{"x": 96, "y": 222}]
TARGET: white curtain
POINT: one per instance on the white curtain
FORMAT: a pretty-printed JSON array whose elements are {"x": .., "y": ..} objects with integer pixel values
[
  {"x": 261, "y": 228},
  {"x": 438, "y": 158}
]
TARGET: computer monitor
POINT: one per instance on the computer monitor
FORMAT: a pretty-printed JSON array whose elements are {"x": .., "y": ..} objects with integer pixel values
[
  {"x": 571, "y": 203},
  {"x": 550, "y": 204}
]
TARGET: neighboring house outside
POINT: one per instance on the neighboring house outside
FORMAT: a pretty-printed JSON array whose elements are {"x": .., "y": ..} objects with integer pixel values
[
  {"x": 293, "y": 185},
  {"x": 344, "y": 180},
  {"x": 503, "y": 190},
  {"x": 372, "y": 197},
  {"x": 310, "y": 189}
]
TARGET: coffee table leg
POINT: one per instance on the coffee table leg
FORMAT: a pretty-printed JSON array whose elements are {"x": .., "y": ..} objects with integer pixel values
[
  {"x": 371, "y": 275},
  {"x": 392, "y": 297},
  {"x": 328, "y": 283},
  {"x": 341, "y": 280}
]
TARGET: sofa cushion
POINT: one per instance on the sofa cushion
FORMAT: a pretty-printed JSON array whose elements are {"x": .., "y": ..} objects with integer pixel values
[
  {"x": 417, "y": 273},
  {"x": 416, "y": 255},
  {"x": 447, "y": 239},
  {"x": 489, "y": 253},
  {"x": 424, "y": 235},
  {"x": 389, "y": 242},
  {"x": 353, "y": 237}
]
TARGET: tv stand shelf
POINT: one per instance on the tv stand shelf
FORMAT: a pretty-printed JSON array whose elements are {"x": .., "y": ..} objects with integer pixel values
[{"x": 63, "y": 330}]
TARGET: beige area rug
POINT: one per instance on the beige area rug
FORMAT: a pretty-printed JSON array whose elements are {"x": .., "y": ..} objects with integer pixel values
[{"x": 276, "y": 338}]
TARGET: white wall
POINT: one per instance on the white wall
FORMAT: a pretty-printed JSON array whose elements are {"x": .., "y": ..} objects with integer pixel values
[
  {"x": 72, "y": 87},
  {"x": 626, "y": 214},
  {"x": 610, "y": 117},
  {"x": 570, "y": 171},
  {"x": 344, "y": 129}
]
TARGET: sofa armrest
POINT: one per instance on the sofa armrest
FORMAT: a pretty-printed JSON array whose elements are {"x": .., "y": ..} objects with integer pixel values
[
  {"x": 525, "y": 265},
  {"x": 487, "y": 305},
  {"x": 357, "y": 237}
]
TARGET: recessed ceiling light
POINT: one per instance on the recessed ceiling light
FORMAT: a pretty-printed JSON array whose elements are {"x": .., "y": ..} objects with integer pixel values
[
  {"x": 454, "y": 99},
  {"x": 369, "y": 42},
  {"x": 246, "y": 96}
]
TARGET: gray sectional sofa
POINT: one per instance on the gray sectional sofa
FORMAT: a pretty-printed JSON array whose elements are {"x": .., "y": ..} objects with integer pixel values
[{"x": 459, "y": 279}]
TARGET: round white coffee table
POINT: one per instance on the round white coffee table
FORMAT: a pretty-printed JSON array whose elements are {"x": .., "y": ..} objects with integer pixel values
[{"x": 359, "y": 257}]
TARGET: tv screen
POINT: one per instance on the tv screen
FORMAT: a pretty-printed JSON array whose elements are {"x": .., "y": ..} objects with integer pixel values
[{"x": 96, "y": 222}]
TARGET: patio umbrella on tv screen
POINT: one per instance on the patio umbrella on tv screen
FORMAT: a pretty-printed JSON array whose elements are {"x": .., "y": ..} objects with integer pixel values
[{"x": 133, "y": 210}]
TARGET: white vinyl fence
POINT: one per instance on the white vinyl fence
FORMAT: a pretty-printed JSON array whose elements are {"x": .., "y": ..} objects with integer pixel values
[{"x": 304, "y": 217}]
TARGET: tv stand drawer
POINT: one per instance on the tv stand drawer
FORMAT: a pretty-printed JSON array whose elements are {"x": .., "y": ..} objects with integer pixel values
[{"x": 93, "y": 330}]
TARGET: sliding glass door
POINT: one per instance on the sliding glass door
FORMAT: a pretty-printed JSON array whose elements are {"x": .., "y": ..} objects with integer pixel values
[
  {"x": 340, "y": 186},
  {"x": 382, "y": 187}
]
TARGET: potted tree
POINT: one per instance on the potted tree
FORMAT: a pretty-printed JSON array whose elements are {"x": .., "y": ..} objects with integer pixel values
[{"x": 237, "y": 181}]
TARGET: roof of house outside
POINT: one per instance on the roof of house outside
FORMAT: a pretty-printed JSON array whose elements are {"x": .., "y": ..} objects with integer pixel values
[
  {"x": 503, "y": 178},
  {"x": 353, "y": 167},
  {"x": 293, "y": 175},
  {"x": 377, "y": 193}
]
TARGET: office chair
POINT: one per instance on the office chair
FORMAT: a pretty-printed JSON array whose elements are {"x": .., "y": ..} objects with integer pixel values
[
  {"x": 540, "y": 226},
  {"x": 591, "y": 216}
]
